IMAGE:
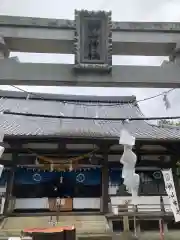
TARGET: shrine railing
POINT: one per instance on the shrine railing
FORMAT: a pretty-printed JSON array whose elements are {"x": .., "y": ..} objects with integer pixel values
[{"x": 139, "y": 208}]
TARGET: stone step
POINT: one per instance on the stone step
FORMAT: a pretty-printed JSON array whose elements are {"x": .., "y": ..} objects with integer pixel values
[{"x": 83, "y": 224}]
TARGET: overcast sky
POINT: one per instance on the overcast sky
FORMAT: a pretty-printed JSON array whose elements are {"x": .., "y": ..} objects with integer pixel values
[{"x": 122, "y": 10}]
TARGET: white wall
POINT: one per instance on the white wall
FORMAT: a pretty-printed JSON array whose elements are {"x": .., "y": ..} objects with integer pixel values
[
  {"x": 43, "y": 203},
  {"x": 2, "y": 189},
  {"x": 94, "y": 203},
  {"x": 86, "y": 203},
  {"x": 31, "y": 203}
]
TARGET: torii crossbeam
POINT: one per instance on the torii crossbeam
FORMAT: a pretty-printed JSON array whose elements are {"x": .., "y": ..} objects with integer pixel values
[{"x": 93, "y": 38}]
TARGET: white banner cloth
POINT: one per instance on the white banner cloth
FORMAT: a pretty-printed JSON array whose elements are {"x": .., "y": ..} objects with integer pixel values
[{"x": 171, "y": 192}]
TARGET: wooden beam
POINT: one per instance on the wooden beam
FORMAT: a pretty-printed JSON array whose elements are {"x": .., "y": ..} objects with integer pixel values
[
  {"x": 72, "y": 152},
  {"x": 146, "y": 163},
  {"x": 54, "y": 139},
  {"x": 30, "y": 159},
  {"x": 81, "y": 140},
  {"x": 10, "y": 183},
  {"x": 105, "y": 181}
]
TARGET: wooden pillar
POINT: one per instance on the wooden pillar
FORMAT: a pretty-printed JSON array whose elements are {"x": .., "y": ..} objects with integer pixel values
[
  {"x": 137, "y": 227},
  {"x": 10, "y": 183},
  {"x": 125, "y": 223},
  {"x": 162, "y": 220},
  {"x": 105, "y": 183}
]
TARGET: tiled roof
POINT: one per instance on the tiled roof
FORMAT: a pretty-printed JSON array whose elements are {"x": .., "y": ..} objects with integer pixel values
[{"x": 105, "y": 107}]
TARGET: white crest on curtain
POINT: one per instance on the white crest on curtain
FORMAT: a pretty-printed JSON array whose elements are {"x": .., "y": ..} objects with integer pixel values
[
  {"x": 171, "y": 192},
  {"x": 128, "y": 160}
]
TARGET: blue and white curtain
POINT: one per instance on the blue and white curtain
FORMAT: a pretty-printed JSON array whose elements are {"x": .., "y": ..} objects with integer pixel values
[
  {"x": 3, "y": 178},
  {"x": 86, "y": 177}
]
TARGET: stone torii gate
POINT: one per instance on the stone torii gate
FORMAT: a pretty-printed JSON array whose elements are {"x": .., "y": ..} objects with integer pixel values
[{"x": 93, "y": 38}]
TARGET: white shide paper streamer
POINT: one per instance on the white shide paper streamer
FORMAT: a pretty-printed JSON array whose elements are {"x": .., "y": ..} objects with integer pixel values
[{"x": 128, "y": 160}]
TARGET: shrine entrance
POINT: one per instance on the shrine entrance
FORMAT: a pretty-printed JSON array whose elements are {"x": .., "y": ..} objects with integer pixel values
[{"x": 57, "y": 191}]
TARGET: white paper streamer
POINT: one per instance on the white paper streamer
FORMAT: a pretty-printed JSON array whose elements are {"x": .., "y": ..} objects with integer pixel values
[
  {"x": 128, "y": 159},
  {"x": 126, "y": 138},
  {"x": 131, "y": 179},
  {"x": 171, "y": 192},
  {"x": 1, "y": 169}
]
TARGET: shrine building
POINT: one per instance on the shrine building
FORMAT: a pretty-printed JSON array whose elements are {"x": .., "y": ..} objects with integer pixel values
[{"x": 78, "y": 160}]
